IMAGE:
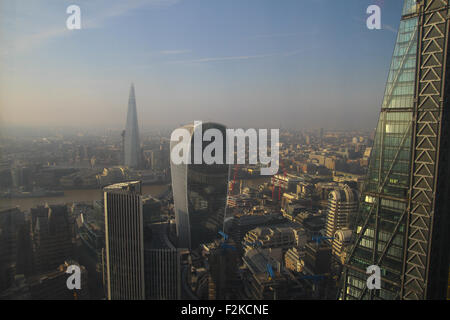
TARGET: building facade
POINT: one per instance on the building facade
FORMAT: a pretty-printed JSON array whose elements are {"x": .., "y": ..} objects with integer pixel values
[
  {"x": 52, "y": 235},
  {"x": 199, "y": 192},
  {"x": 162, "y": 264},
  {"x": 132, "y": 148},
  {"x": 124, "y": 241},
  {"x": 342, "y": 210},
  {"x": 403, "y": 222}
]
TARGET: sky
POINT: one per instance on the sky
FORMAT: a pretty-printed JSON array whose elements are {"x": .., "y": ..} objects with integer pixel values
[{"x": 244, "y": 63}]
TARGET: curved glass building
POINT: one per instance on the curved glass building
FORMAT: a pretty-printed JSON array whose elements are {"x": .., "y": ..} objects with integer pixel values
[{"x": 199, "y": 192}]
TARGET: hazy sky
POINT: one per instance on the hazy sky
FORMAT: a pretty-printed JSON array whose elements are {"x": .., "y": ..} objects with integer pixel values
[{"x": 250, "y": 63}]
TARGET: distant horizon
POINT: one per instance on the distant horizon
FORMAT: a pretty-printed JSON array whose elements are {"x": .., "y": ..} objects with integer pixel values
[
  {"x": 307, "y": 64},
  {"x": 7, "y": 129}
]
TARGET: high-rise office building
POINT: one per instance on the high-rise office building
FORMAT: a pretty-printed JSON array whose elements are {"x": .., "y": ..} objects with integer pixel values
[
  {"x": 342, "y": 209},
  {"x": 404, "y": 222},
  {"x": 162, "y": 264},
  {"x": 199, "y": 193},
  {"x": 10, "y": 223},
  {"x": 52, "y": 235},
  {"x": 131, "y": 146},
  {"x": 124, "y": 239}
]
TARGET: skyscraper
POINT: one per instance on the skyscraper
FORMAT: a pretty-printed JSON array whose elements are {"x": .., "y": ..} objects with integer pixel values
[
  {"x": 10, "y": 221},
  {"x": 162, "y": 264},
  {"x": 124, "y": 239},
  {"x": 52, "y": 231},
  {"x": 132, "y": 147},
  {"x": 199, "y": 193},
  {"x": 403, "y": 220}
]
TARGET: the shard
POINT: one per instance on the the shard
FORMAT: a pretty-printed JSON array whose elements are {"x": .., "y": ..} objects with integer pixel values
[{"x": 131, "y": 141}]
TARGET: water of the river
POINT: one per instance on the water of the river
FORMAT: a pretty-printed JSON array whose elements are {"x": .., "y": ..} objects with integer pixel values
[{"x": 89, "y": 195}]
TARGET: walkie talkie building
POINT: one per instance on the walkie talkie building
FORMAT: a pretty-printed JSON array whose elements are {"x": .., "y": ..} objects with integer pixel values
[
  {"x": 199, "y": 193},
  {"x": 403, "y": 224}
]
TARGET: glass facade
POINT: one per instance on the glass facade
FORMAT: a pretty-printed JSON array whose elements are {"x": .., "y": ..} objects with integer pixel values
[
  {"x": 200, "y": 193},
  {"x": 385, "y": 194},
  {"x": 132, "y": 149}
]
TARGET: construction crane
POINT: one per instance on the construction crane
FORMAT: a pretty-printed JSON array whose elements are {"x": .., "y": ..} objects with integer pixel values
[
  {"x": 318, "y": 239},
  {"x": 315, "y": 277},
  {"x": 252, "y": 244},
  {"x": 270, "y": 271},
  {"x": 223, "y": 243}
]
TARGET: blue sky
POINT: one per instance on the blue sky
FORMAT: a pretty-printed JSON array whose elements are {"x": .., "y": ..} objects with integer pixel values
[{"x": 245, "y": 63}]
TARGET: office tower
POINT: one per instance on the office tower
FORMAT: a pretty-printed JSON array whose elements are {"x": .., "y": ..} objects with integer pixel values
[
  {"x": 342, "y": 209},
  {"x": 199, "y": 193},
  {"x": 404, "y": 221},
  {"x": 52, "y": 234},
  {"x": 10, "y": 223},
  {"x": 131, "y": 140},
  {"x": 223, "y": 264},
  {"x": 162, "y": 264},
  {"x": 124, "y": 241}
]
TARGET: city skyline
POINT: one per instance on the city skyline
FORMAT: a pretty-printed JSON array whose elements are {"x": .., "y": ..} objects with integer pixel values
[
  {"x": 101, "y": 200},
  {"x": 223, "y": 59}
]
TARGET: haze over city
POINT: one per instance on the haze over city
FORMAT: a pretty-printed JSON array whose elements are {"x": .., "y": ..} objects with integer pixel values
[{"x": 305, "y": 64}]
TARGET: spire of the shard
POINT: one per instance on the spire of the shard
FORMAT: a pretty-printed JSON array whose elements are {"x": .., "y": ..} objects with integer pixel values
[{"x": 132, "y": 147}]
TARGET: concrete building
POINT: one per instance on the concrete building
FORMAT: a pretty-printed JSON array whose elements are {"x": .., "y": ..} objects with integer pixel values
[
  {"x": 258, "y": 283},
  {"x": 342, "y": 209},
  {"x": 294, "y": 259},
  {"x": 342, "y": 239},
  {"x": 270, "y": 237}
]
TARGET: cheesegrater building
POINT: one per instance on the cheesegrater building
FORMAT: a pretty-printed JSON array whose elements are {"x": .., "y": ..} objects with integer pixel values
[{"x": 403, "y": 222}]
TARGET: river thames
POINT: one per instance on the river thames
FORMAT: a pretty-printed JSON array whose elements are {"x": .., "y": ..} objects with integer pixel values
[{"x": 90, "y": 195}]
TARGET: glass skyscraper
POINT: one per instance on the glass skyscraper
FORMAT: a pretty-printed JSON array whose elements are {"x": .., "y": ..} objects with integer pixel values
[
  {"x": 403, "y": 223},
  {"x": 132, "y": 147},
  {"x": 199, "y": 193}
]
